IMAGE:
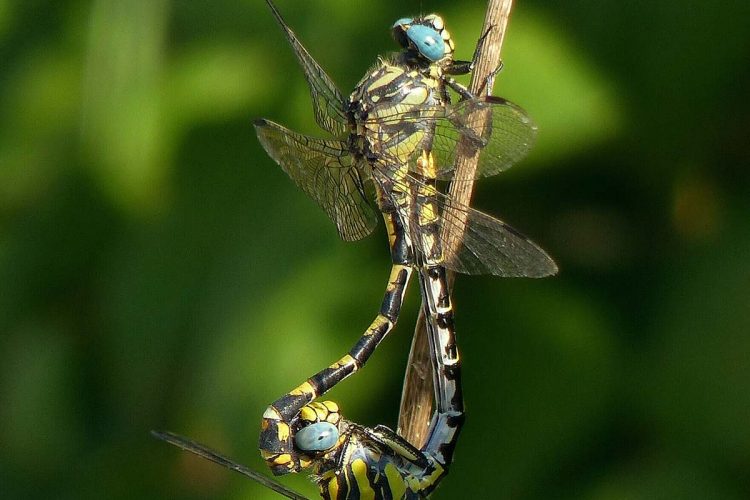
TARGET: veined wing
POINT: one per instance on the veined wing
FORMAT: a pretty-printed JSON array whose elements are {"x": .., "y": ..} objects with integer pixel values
[
  {"x": 504, "y": 139},
  {"x": 324, "y": 170},
  {"x": 486, "y": 245},
  {"x": 209, "y": 454},
  {"x": 328, "y": 103}
]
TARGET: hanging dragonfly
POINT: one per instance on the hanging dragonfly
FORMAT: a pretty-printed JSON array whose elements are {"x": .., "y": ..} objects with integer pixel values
[
  {"x": 396, "y": 135},
  {"x": 353, "y": 462}
]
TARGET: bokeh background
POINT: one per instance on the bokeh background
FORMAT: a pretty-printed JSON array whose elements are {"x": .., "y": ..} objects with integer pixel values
[{"x": 157, "y": 270}]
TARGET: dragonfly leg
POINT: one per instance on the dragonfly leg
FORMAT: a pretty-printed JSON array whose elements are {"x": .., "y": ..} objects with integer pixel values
[
  {"x": 489, "y": 82},
  {"x": 460, "y": 89},
  {"x": 460, "y": 68},
  {"x": 465, "y": 67}
]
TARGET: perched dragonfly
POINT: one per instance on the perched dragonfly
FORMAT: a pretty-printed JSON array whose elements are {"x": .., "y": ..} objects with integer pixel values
[
  {"x": 394, "y": 138},
  {"x": 398, "y": 132}
]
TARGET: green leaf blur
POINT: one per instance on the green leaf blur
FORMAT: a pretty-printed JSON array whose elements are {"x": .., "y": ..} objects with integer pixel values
[{"x": 158, "y": 271}]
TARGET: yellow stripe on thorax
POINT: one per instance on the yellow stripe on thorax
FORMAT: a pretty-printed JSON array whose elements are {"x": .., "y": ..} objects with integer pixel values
[
  {"x": 332, "y": 485},
  {"x": 390, "y": 73},
  {"x": 359, "y": 468},
  {"x": 404, "y": 149}
]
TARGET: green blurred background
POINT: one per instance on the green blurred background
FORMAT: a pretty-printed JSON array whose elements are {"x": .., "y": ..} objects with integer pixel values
[{"x": 157, "y": 270}]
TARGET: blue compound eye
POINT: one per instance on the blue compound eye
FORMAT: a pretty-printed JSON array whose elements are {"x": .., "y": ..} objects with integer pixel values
[
  {"x": 403, "y": 21},
  {"x": 319, "y": 436},
  {"x": 428, "y": 42}
]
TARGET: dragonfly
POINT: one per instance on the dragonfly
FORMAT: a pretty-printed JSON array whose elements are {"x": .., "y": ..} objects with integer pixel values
[
  {"x": 354, "y": 461},
  {"x": 392, "y": 140}
]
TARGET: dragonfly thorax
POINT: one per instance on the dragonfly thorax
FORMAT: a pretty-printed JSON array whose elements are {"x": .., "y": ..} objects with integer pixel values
[
  {"x": 389, "y": 111},
  {"x": 371, "y": 469}
]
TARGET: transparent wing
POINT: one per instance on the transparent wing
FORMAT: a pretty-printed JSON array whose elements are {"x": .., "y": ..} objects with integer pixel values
[
  {"x": 328, "y": 103},
  {"x": 324, "y": 170},
  {"x": 209, "y": 454},
  {"x": 487, "y": 245},
  {"x": 504, "y": 138}
]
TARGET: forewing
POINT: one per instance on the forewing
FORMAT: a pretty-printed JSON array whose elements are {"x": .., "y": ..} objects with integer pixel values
[
  {"x": 209, "y": 454},
  {"x": 328, "y": 103},
  {"x": 324, "y": 170}
]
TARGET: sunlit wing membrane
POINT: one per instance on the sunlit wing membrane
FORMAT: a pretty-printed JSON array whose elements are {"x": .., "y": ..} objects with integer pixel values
[
  {"x": 328, "y": 102},
  {"x": 324, "y": 170},
  {"x": 488, "y": 245}
]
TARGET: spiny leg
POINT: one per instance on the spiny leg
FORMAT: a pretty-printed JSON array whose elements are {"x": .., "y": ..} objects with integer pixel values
[{"x": 465, "y": 67}]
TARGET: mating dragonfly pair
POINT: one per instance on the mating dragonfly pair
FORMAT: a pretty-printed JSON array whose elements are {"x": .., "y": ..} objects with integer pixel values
[{"x": 395, "y": 136}]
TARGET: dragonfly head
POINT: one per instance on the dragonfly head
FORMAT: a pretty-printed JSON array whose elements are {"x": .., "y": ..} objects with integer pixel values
[
  {"x": 313, "y": 436},
  {"x": 424, "y": 38}
]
